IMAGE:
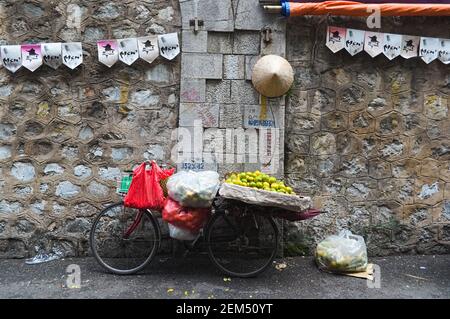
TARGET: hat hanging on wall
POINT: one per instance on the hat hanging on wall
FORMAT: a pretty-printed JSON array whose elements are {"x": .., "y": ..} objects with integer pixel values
[{"x": 272, "y": 76}]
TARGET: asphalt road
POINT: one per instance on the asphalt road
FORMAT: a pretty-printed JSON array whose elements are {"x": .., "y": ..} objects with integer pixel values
[{"x": 194, "y": 277}]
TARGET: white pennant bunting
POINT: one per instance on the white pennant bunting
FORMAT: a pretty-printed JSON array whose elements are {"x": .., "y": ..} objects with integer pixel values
[
  {"x": 444, "y": 51},
  {"x": 335, "y": 38},
  {"x": 128, "y": 50},
  {"x": 72, "y": 54},
  {"x": 31, "y": 56},
  {"x": 354, "y": 41},
  {"x": 11, "y": 57},
  {"x": 148, "y": 48},
  {"x": 108, "y": 52},
  {"x": 51, "y": 53},
  {"x": 392, "y": 44},
  {"x": 410, "y": 46},
  {"x": 373, "y": 43},
  {"x": 429, "y": 49},
  {"x": 169, "y": 45}
]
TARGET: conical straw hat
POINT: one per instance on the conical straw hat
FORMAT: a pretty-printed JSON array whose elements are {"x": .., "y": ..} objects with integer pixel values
[{"x": 272, "y": 76}]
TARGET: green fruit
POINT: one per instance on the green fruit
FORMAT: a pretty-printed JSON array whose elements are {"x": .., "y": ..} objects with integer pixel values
[
  {"x": 244, "y": 180},
  {"x": 266, "y": 185},
  {"x": 274, "y": 185},
  {"x": 259, "y": 184},
  {"x": 250, "y": 178},
  {"x": 252, "y": 184},
  {"x": 289, "y": 189},
  {"x": 272, "y": 180}
]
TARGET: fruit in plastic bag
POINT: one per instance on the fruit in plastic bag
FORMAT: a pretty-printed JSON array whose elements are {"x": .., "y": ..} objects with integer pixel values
[
  {"x": 192, "y": 219},
  {"x": 194, "y": 189},
  {"x": 180, "y": 233},
  {"x": 344, "y": 252}
]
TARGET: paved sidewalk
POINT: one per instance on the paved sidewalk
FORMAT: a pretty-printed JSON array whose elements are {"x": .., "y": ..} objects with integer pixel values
[{"x": 195, "y": 277}]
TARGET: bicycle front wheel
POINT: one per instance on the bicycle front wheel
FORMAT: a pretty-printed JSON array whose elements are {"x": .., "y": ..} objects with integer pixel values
[
  {"x": 242, "y": 244},
  {"x": 124, "y": 240}
]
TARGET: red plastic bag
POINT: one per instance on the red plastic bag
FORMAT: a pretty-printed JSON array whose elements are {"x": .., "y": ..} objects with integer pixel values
[
  {"x": 192, "y": 219},
  {"x": 145, "y": 190}
]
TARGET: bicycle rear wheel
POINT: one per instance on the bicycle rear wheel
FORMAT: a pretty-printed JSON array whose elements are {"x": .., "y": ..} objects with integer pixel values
[
  {"x": 117, "y": 245},
  {"x": 242, "y": 244}
]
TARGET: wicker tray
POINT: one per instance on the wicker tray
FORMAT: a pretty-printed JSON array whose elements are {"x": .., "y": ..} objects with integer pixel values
[{"x": 260, "y": 197}]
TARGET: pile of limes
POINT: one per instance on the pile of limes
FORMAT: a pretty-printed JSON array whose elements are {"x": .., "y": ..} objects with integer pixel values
[{"x": 259, "y": 180}]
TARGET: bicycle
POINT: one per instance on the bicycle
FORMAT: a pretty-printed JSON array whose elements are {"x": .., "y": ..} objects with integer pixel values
[{"x": 241, "y": 239}]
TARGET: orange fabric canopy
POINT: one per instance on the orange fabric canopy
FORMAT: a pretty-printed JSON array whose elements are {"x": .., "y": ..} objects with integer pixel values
[{"x": 357, "y": 9}]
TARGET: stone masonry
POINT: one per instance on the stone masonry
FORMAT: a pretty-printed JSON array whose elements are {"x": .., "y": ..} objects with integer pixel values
[
  {"x": 65, "y": 136},
  {"x": 369, "y": 139}
]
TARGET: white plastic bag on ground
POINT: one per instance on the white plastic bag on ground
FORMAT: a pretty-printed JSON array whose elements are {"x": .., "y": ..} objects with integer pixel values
[
  {"x": 344, "y": 252},
  {"x": 194, "y": 189},
  {"x": 180, "y": 233}
]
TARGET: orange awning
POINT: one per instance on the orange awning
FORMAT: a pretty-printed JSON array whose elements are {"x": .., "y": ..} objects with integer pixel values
[{"x": 357, "y": 9}]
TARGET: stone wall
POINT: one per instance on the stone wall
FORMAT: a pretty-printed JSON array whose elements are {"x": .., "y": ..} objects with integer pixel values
[
  {"x": 66, "y": 135},
  {"x": 369, "y": 139}
]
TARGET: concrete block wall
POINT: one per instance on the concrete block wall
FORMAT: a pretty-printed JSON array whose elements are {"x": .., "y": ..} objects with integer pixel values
[{"x": 216, "y": 66}]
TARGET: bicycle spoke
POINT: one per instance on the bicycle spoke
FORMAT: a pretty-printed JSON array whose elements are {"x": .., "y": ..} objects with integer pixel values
[
  {"x": 242, "y": 244},
  {"x": 123, "y": 239}
]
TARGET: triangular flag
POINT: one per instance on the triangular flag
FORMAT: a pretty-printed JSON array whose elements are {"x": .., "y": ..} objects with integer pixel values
[
  {"x": 108, "y": 52},
  {"x": 429, "y": 49},
  {"x": 148, "y": 48},
  {"x": 373, "y": 43},
  {"x": 335, "y": 38},
  {"x": 11, "y": 57},
  {"x": 354, "y": 41},
  {"x": 410, "y": 46},
  {"x": 51, "y": 53},
  {"x": 128, "y": 50},
  {"x": 72, "y": 54},
  {"x": 31, "y": 56},
  {"x": 392, "y": 44},
  {"x": 444, "y": 51},
  {"x": 169, "y": 47}
]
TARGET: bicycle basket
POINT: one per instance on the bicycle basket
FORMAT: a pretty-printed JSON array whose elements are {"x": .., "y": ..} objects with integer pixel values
[{"x": 123, "y": 184}]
